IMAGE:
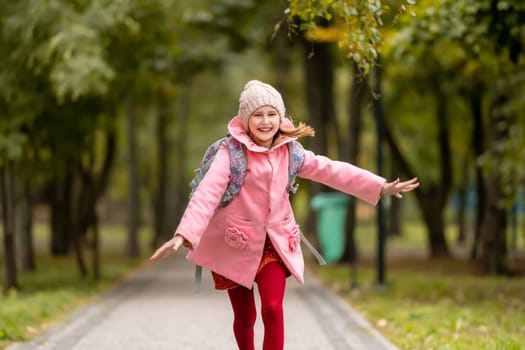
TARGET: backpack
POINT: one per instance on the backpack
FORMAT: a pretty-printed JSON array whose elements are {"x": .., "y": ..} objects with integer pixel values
[{"x": 238, "y": 165}]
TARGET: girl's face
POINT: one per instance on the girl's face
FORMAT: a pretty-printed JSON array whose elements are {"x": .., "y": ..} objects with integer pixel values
[{"x": 263, "y": 124}]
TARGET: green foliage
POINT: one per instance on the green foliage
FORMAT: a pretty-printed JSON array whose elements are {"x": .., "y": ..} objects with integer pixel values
[
  {"x": 65, "y": 41},
  {"x": 70, "y": 65},
  {"x": 461, "y": 47},
  {"x": 357, "y": 25},
  {"x": 11, "y": 145}
]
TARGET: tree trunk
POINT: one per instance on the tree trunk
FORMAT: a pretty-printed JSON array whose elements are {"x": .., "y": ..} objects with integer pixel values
[
  {"x": 101, "y": 183},
  {"x": 320, "y": 103},
  {"x": 78, "y": 232},
  {"x": 319, "y": 92},
  {"x": 494, "y": 224},
  {"x": 493, "y": 230},
  {"x": 478, "y": 144},
  {"x": 462, "y": 203},
  {"x": 181, "y": 144},
  {"x": 160, "y": 225},
  {"x": 61, "y": 197},
  {"x": 95, "y": 261},
  {"x": 87, "y": 220},
  {"x": 523, "y": 220},
  {"x": 7, "y": 198},
  {"x": 24, "y": 214},
  {"x": 92, "y": 186},
  {"x": 133, "y": 186},
  {"x": 435, "y": 204},
  {"x": 79, "y": 254},
  {"x": 445, "y": 152},
  {"x": 351, "y": 155},
  {"x": 394, "y": 228},
  {"x": 433, "y": 218},
  {"x": 431, "y": 197}
]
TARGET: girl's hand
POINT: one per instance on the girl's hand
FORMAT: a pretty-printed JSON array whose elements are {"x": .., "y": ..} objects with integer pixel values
[
  {"x": 395, "y": 188},
  {"x": 166, "y": 249}
]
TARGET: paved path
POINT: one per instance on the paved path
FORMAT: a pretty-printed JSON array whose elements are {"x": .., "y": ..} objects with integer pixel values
[{"x": 156, "y": 309}]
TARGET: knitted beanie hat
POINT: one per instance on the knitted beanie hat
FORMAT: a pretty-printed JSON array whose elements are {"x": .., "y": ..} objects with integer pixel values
[{"x": 257, "y": 94}]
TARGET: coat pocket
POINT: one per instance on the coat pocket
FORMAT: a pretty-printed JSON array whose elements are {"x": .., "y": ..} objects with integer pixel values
[
  {"x": 235, "y": 234},
  {"x": 294, "y": 240},
  {"x": 235, "y": 238}
]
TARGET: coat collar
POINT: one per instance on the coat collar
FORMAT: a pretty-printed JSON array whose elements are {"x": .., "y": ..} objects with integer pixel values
[{"x": 236, "y": 129}]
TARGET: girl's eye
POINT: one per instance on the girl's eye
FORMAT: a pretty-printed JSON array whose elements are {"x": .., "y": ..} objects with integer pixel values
[{"x": 261, "y": 115}]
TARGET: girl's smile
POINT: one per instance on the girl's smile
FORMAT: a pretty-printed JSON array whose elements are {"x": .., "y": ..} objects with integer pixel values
[{"x": 263, "y": 124}]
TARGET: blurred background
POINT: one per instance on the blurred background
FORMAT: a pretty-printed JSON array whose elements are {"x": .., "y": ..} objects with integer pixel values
[{"x": 106, "y": 108}]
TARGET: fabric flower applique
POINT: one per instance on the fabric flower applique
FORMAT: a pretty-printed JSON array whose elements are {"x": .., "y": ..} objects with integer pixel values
[
  {"x": 294, "y": 241},
  {"x": 235, "y": 238}
]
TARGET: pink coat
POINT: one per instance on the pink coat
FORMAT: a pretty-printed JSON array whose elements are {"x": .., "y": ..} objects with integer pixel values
[{"x": 230, "y": 240}]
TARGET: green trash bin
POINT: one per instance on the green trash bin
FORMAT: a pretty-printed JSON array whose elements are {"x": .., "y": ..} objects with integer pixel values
[{"x": 331, "y": 218}]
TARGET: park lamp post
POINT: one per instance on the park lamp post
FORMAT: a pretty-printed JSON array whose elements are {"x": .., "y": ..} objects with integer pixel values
[{"x": 381, "y": 229}]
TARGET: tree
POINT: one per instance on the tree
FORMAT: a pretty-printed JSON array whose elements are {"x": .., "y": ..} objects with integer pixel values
[
  {"x": 483, "y": 44},
  {"x": 60, "y": 78},
  {"x": 501, "y": 23},
  {"x": 434, "y": 194},
  {"x": 6, "y": 184},
  {"x": 356, "y": 28},
  {"x": 357, "y": 24}
]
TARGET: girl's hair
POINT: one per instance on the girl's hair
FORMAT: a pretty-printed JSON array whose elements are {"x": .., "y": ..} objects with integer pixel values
[{"x": 299, "y": 131}]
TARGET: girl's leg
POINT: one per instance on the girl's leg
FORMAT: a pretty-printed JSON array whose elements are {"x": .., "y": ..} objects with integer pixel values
[
  {"x": 271, "y": 281},
  {"x": 244, "y": 315}
]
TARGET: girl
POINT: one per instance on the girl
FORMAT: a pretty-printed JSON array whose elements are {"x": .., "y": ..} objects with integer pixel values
[{"x": 255, "y": 238}]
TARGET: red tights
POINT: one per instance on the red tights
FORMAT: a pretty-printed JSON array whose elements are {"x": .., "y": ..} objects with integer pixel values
[{"x": 271, "y": 282}]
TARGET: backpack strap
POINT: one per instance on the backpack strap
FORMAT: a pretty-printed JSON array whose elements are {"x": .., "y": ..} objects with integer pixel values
[
  {"x": 238, "y": 160},
  {"x": 238, "y": 163},
  {"x": 197, "y": 281},
  {"x": 205, "y": 164},
  {"x": 296, "y": 160},
  {"x": 318, "y": 256}
]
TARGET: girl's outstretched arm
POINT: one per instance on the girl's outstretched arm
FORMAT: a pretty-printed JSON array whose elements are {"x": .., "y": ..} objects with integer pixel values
[{"x": 396, "y": 187}]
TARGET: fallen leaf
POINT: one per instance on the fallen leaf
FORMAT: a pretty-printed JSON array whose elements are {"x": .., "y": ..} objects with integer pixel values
[{"x": 382, "y": 323}]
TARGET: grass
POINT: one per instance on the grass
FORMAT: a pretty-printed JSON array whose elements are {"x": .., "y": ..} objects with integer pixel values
[
  {"x": 433, "y": 304},
  {"x": 50, "y": 293},
  {"x": 427, "y": 304}
]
